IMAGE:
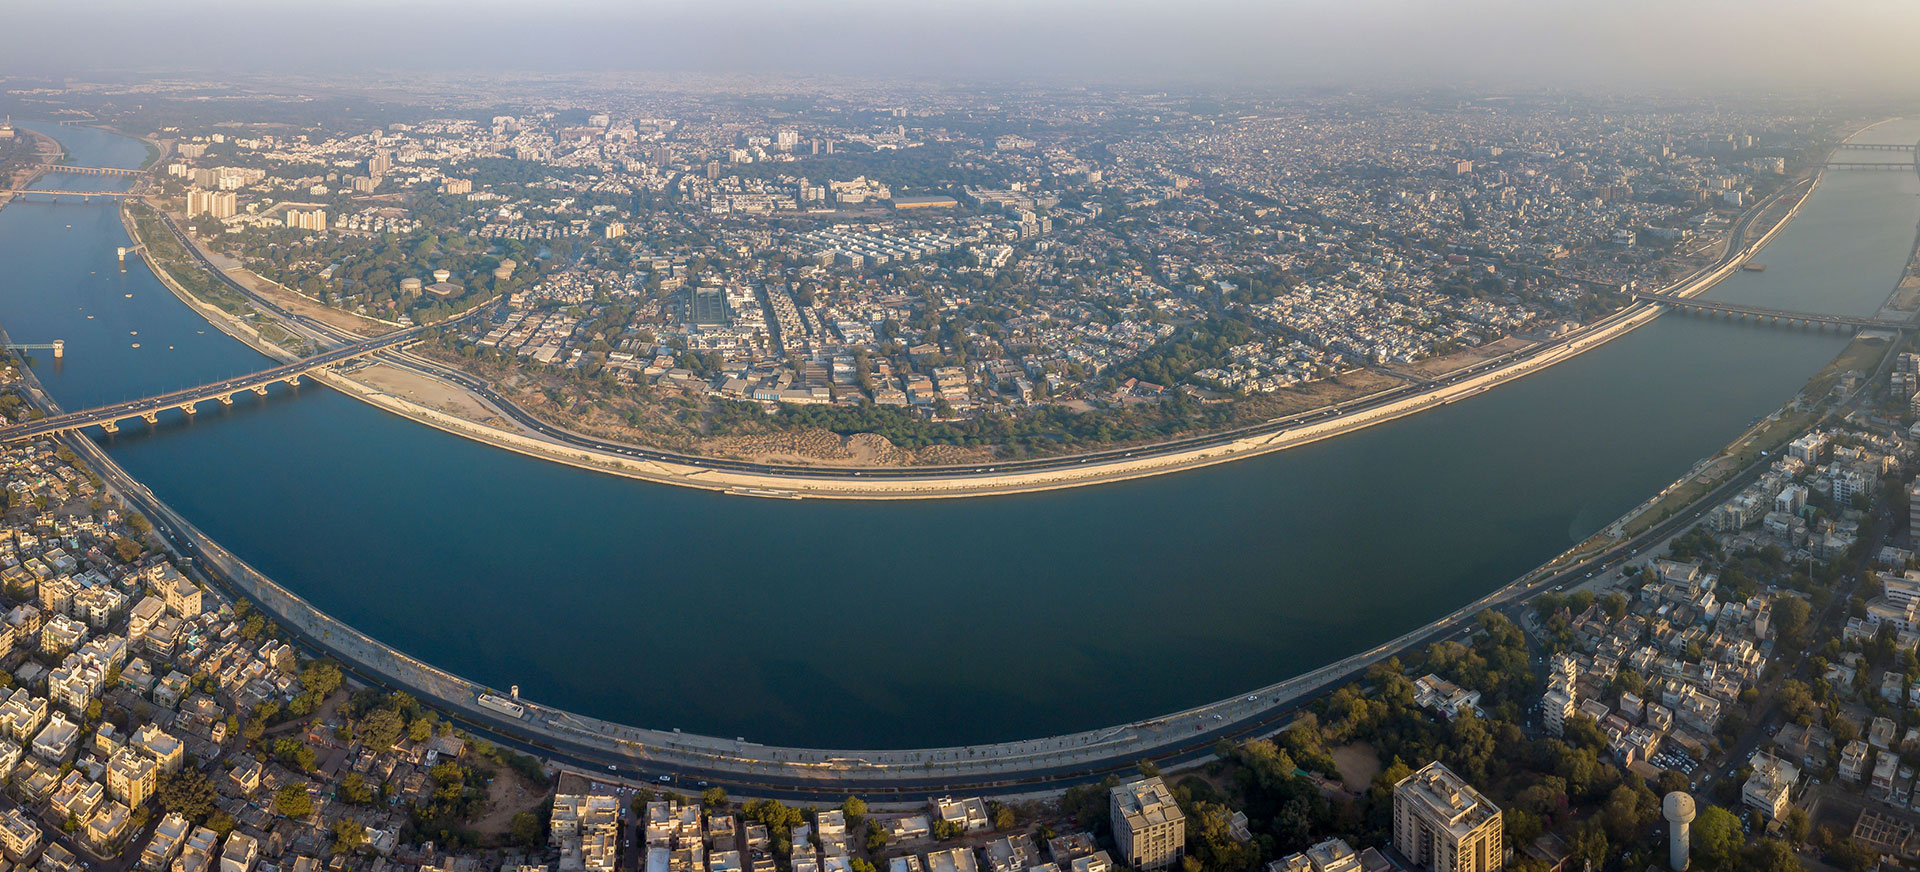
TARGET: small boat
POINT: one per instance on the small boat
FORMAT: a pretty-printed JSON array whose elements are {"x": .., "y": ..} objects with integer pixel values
[
  {"x": 1754, "y": 267},
  {"x": 133, "y": 333},
  {"x": 129, "y": 296},
  {"x": 136, "y": 345},
  {"x": 89, "y": 317}
]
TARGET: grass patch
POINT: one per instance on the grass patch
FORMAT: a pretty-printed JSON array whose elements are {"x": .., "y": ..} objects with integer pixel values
[{"x": 165, "y": 253}]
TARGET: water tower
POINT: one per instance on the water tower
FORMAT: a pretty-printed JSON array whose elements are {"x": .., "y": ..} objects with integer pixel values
[{"x": 1678, "y": 810}]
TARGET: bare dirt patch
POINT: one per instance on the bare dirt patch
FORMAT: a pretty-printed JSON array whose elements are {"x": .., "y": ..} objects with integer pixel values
[
  {"x": 1446, "y": 363},
  {"x": 508, "y": 795},
  {"x": 429, "y": 392},
  {"x": 1358, "y": 764}
]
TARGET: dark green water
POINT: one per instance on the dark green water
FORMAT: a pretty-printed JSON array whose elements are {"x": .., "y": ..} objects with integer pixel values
[{"x": 902, "y": 624}]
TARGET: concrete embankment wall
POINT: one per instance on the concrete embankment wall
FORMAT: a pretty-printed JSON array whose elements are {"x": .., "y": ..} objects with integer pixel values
[{"x": 980, "y": 764}]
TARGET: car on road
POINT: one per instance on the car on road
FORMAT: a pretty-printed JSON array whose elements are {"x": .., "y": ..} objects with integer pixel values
[
  {"x": 664, "y": 779},
  {"x": 613, "y": 769}
]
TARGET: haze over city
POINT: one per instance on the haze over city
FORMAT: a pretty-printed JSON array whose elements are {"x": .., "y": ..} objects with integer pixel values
[
  {"x": 1060, "y": 436},
  {"x": 1720, "y": 44}
]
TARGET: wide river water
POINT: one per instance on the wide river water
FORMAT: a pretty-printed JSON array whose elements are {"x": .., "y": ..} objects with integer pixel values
[{"x": 895, "y": 624}]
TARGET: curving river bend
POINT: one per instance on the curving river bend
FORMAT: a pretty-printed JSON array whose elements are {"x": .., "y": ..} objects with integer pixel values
[{"x": 897, "y": 624}]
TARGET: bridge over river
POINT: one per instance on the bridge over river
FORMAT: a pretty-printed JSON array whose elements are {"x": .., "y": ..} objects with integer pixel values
[
  {"x": 1772, "y": 315},
  {"x": 108, "y": 418}
]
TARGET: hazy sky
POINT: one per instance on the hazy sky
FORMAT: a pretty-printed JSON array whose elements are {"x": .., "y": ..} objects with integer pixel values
[{"x": 1847, "y": 44}]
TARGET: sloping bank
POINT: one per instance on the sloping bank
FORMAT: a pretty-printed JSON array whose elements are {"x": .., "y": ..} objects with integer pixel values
[{"x": 849, "y": 484}]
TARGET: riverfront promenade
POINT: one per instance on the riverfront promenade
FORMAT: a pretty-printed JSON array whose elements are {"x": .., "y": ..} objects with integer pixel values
[
  {"x": 640, "y": 752},
  {"x": 538, "y": 438},
  {"x": 746, "y": 767}
]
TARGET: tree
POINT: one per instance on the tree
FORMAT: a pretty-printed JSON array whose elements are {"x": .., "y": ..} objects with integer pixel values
[
  {"x": 292, "y": 800},
  {"x": 1797, "y": 825},
  {"x": 1796, "y": 701},
  {"x": 714, "y": 798},
  {"x": 321, "y": 678},
  {"x": 295, "y": 754},
  {"x": 380, "y": 728},
  {"x": 353, "y": 788},
  {"x": 220, "y": 823},
  {"x": 128, "y": 549},
  {"x": 944, "y": 829},
  {"x": 348, "y": 834},
  {"x": 1770, "y": 855},
  {"x": 1717, "y": 836},
  {"x": 855, "y": 807},
  {"x": 1790, "y": 615},
  {"x": 188, "y": 794},
  {"x": 525, "y": 829}
]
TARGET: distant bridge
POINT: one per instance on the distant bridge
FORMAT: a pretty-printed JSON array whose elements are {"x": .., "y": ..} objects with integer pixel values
[
  {"x": 1765, "y": 313},
  {"x": 108, "y": 418},
  {"x": 57, "y": 193},
  {"x": 1868, "y": 165},
  {"x": 1876, "y": 146},
  {"x": 92, "y": 171}
]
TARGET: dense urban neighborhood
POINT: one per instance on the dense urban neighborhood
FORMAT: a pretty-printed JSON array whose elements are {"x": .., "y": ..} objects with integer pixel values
[
  {"x": 964, "y": 276},
  {"x": 1728, "y": 678}
]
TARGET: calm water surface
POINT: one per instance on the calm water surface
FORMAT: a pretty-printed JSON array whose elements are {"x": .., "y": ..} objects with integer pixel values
[{"x": 900, "y": 624}]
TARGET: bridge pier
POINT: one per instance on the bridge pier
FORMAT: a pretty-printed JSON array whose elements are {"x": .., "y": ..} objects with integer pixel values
[
  {"x": 110, "y": 426},
  {"x": 226, "y": 399},
  {"x": 293, "y": 381},
  {"x": 260, "y": 389},
  {"x": 150, "y": 417},
  {"x": 190, "y": 407}
]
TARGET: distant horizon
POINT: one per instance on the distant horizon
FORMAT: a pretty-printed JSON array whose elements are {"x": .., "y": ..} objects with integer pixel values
[{"x": 1856, "y": 46}]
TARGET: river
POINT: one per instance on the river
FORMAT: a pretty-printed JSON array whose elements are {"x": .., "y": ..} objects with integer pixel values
[{"x": 896, "y": 624}]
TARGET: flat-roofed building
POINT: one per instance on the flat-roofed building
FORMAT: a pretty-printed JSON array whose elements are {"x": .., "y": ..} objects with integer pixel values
[
  {"x": 107, "y": 826},
  {"x": 1147, "y": 824},
  {"x": 180, "y": 595},
  {"x": 132, "y": 776},
  {"x": 161, "y": 746},
  {"x": 19, "y": 835},
  {"x": 22, "y": 715},
  {"x": 239, "y": 853},
  {"x": 56, "y": 740},
  {"x": 1442, "y": 823},
  {"x": 168, "y": 836}
]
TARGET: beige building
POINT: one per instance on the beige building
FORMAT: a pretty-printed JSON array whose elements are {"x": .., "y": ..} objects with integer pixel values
[
  {"x": 19, "y": 835},
  {"x": 1148, "y": 825},
  {"x": 180, "y": 595},
  {"x": 219, "y": 204},
  {"x": 307, "y": 219},
  {"x": 132, "y": 777},
  {"x": 1443, "y": 824}
]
